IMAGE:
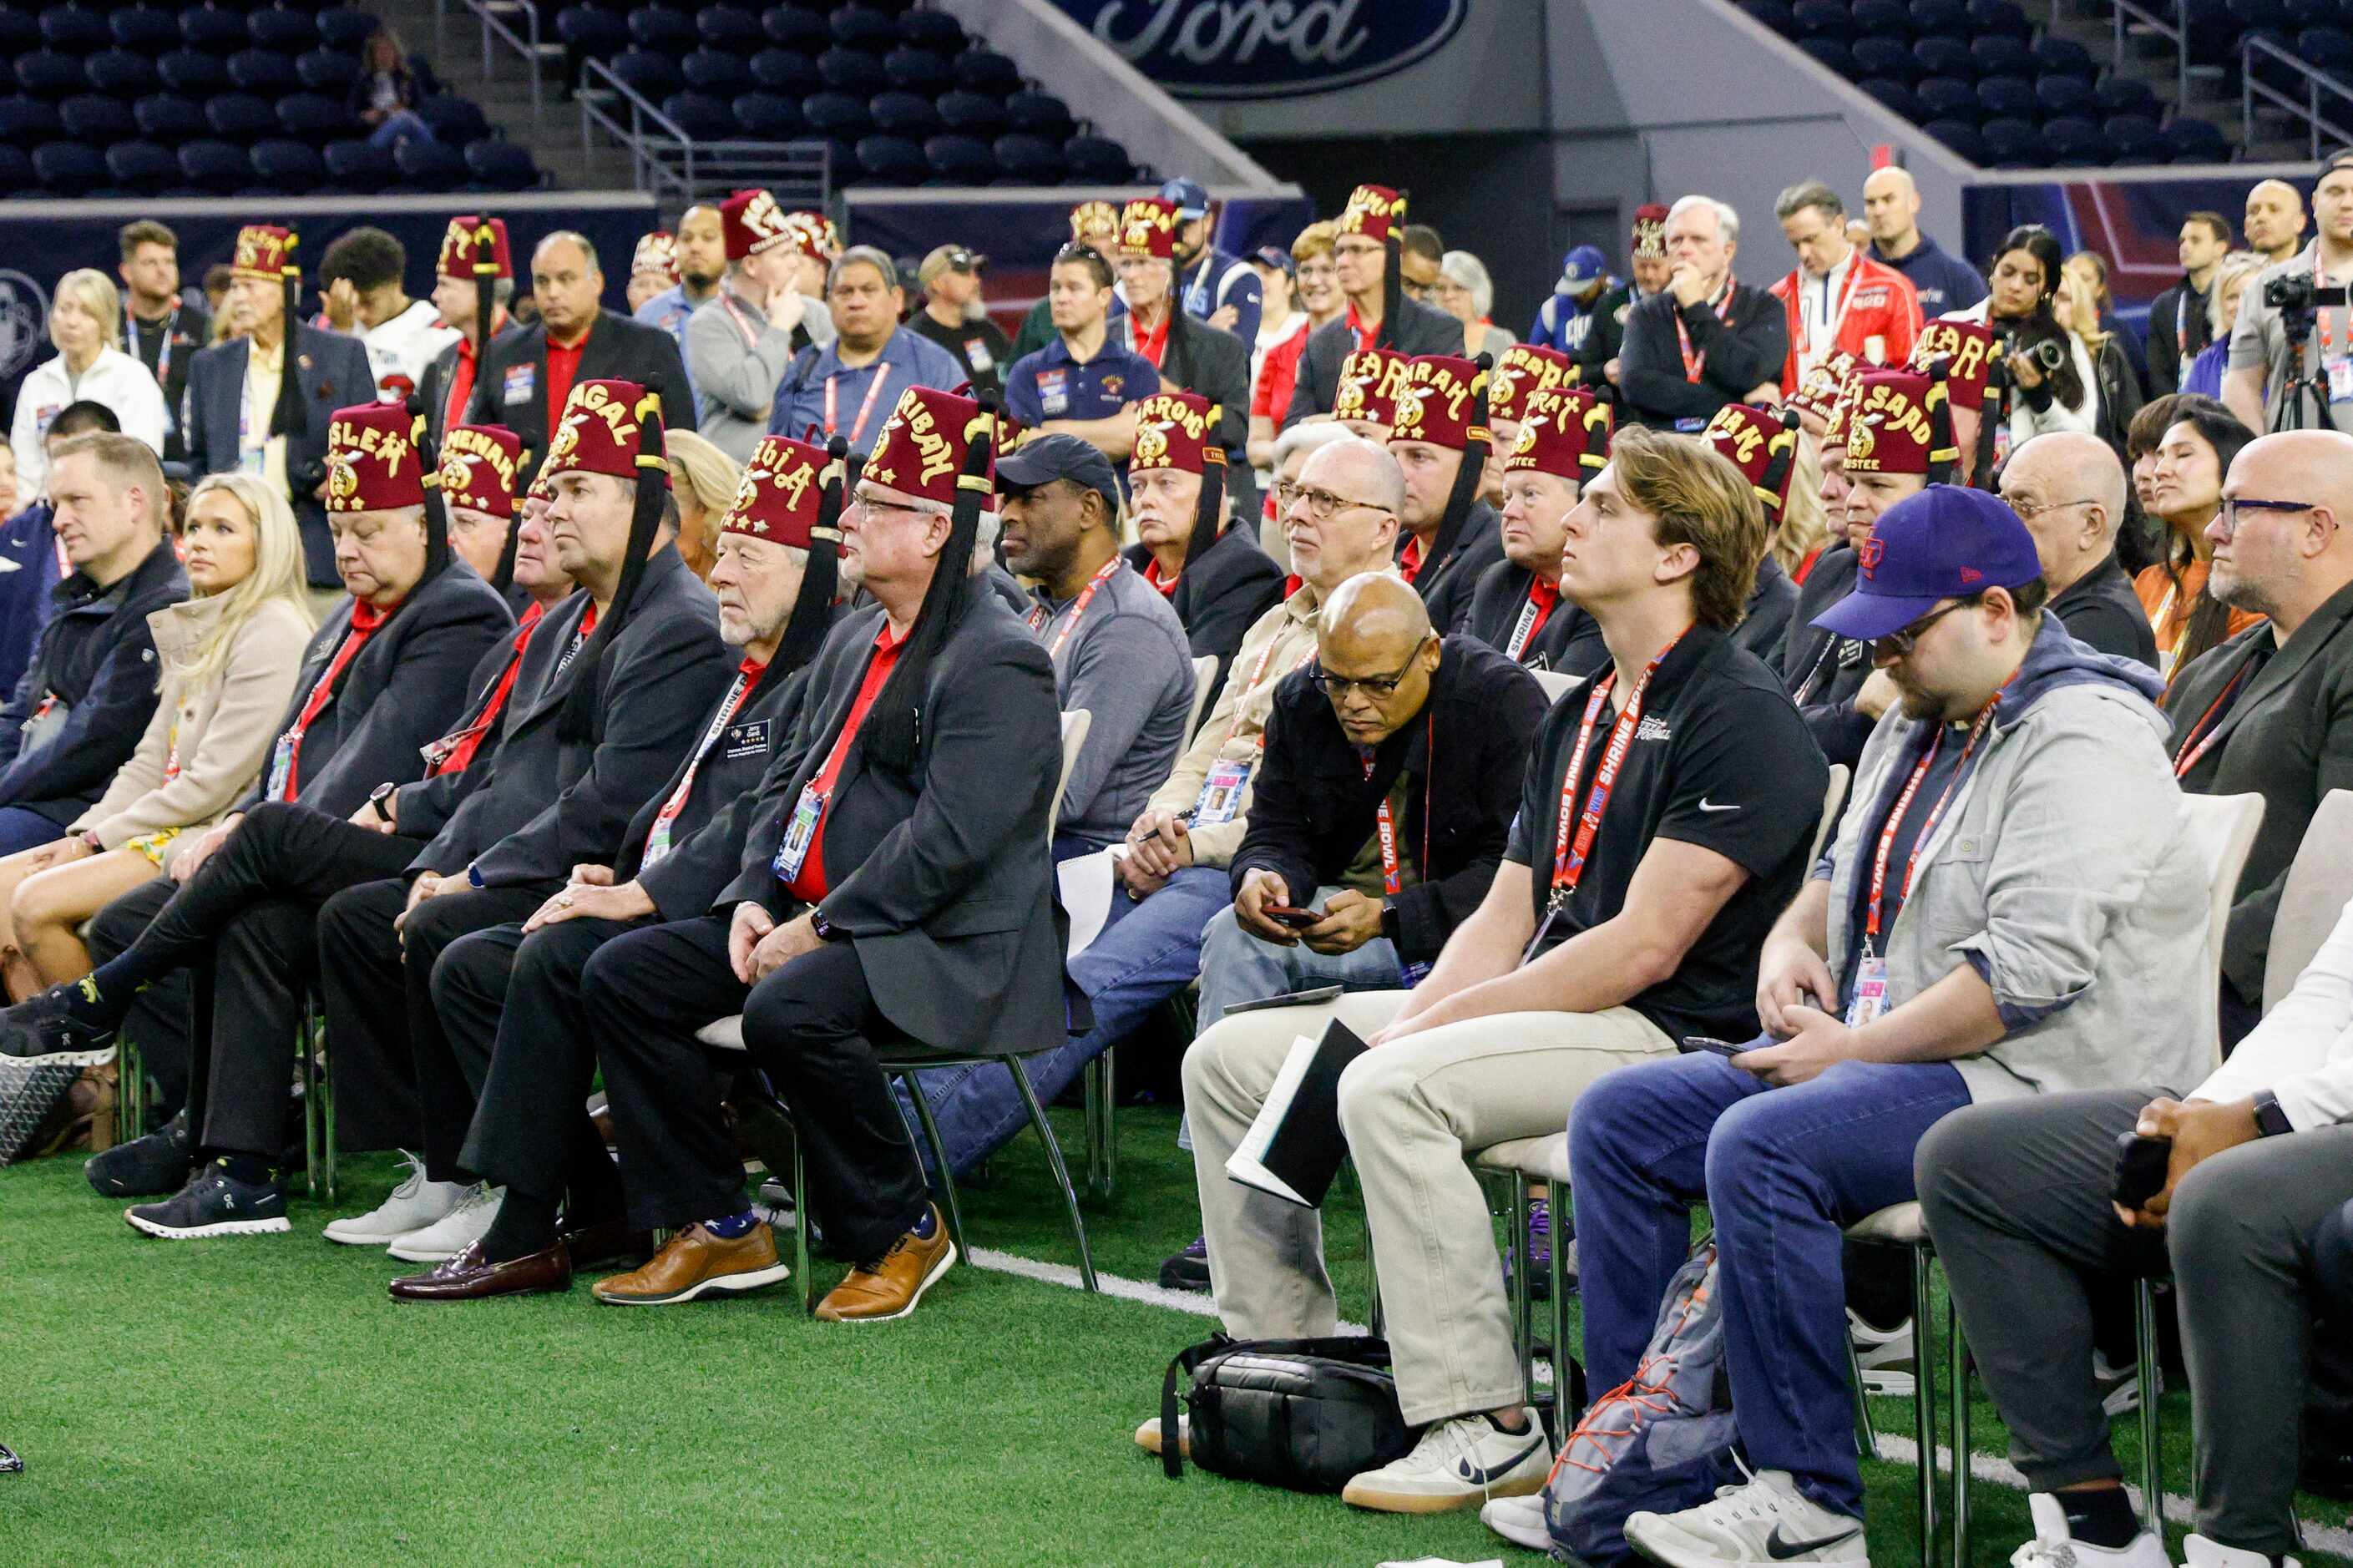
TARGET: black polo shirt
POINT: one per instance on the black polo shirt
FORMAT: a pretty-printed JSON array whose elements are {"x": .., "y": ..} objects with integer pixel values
[{"x": 1720, "y": 759}]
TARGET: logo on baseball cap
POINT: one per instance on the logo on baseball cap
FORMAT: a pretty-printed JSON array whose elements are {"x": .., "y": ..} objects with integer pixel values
[
  {"x": 1190, "y": 199},
  {"x": 1582, "y": 268},
  {"x": 1947, "y": 543}
]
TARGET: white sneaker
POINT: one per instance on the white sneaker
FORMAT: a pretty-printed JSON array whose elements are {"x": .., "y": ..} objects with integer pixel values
[
  {"x": 414, "y": 1204},
  {"x": 1459, "y": 1462},
  {"x": 1147, "y": 1437},
  {"x": 2120, "y": 1385},
  {"x": 463, "y": 1225},
  {"x": 1886, "y": 1356},
  {"x": 2197, "y": 1552},
  {"x": 2054, "y": 1546},
  {"x": 1519, "y": 1520},
  {"x": 1767, "y": 1523}
]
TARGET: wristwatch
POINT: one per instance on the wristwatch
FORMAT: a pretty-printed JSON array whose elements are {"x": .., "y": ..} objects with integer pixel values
[
  {"x": 1392, "y": 925},
  {"x": 377, "y": 798},
  {"x": 825, "y": 929},
  {"x": 2270, "y": 1120}
]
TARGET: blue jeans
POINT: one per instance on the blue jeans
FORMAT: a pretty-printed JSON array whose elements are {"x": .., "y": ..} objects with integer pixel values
[
  {"x": 22, "y": 829},
  {"x": 1147, "y": 952},
  {"x": 1784, "y": 1172},
  {"x": 1237, "y": 967},
  {"x": 400, "y": 125}
]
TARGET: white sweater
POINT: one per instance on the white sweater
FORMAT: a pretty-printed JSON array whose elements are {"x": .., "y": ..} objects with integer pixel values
[
  {"x": 2303, "y": 1051},
  {"x": 2025, "y": 423},
  {"x": 115, "y": 378}
]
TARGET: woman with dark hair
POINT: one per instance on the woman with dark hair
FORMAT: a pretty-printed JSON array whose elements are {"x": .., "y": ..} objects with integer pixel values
[
  {"x": 2185, "y": 486},
  {"x": 2052, "y": 385}
]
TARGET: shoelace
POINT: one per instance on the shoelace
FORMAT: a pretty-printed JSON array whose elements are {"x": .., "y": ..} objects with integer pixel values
[{"x": 408, "y": 1189}]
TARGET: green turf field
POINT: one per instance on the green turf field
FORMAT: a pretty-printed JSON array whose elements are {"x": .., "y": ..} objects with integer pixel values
[{"x": 261, "y": 1401}]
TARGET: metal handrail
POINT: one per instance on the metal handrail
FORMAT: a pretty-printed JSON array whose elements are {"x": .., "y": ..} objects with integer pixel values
[
  {"x": 526, "y": 45},
  {"x": 2173, "y": 25},
  {"x": 2308, "y": 106},
  {"x": 675, "y": 167}
]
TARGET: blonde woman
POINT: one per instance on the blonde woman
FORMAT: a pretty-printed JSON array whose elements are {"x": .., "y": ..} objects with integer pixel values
[
  {"x": 2077, "y": 307},
  {"x": 1805, "y": 528},
  {"x": 228, "y": 654},
  {"x": 703, "y": 479},
  {"x": 86, "y": 325}
]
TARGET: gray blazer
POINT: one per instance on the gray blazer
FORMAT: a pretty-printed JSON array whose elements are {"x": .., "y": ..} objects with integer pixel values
[{"x": 735, "y": 378}]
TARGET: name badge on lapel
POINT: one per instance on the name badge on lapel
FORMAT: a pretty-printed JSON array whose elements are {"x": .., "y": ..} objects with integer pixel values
[
  {"x": 521, "y": 380},
  {"x": 746, "y": 739}
]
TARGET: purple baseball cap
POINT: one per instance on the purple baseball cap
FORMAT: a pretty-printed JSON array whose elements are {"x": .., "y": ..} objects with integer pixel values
[{"x": 1947, "y": 543}]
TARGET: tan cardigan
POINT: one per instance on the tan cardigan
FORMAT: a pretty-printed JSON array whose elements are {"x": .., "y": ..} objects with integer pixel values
[{"x": 224, "y": 727}]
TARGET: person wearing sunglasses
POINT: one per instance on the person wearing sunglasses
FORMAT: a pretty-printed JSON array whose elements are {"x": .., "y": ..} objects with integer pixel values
[{"x": 2009, "y": 909}]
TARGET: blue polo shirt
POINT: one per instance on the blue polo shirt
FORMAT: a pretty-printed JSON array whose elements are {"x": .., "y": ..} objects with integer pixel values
[
  {"x": 1050, "y": 384},
  {"x": 860, "y": 405},
  {"x": 668, "y": 311}
]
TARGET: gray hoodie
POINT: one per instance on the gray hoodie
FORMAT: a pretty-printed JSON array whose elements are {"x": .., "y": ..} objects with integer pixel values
[{"x": 2058, "y": 871}]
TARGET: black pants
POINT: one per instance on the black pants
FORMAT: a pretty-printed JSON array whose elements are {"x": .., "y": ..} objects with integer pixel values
[
  {"x": 241, "y": 930},
  {"x": 511, "y": 1010},
  {"x": 378, "y": 985},
  {"x": 809, "y": 1025}
]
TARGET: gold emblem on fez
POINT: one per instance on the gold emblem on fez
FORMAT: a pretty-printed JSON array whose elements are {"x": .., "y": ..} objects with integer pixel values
[
  {"x": 342, "y": 477},
  {"x": 1409, "y": 415},
  {"x": 1859, "y": 440},
  {"x": 456, "y": 474},
  {"x": 1150, "y": 445},
  {"x": 560, "y": 449}
]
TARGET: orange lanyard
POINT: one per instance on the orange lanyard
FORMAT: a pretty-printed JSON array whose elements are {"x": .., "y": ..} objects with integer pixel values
[
  {"x": 2204, "y": 733},
  {"x": 1568, "y": 857},
  {"x": 1927, "y": 829},
  {"x": 1039, "y": 617}
]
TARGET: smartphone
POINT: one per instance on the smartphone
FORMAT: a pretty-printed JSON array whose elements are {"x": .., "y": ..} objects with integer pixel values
[
  {"x": 1316, "y": 997},
  {"x": 1721, "y": 1047},
  {"x": 2141, "y": 1166},
  {"x": 1286, "y": 914}
]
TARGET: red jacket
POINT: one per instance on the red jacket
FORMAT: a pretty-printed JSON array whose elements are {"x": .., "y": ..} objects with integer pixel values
[{"x": 1881, "y": 303}]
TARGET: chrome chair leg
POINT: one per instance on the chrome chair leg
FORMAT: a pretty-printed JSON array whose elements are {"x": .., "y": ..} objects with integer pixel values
[
  {"x": 1957, "y": 1392},
  {"x": 939, "y": 1158},
  {"x": 2152, "y": 1437},
  {"x": 1061, "y": 1171},
  {"x": 1866, "y": 1437},
  {"x": 1924, "y": 1403},
  {"x": 801, "y": 1229}
]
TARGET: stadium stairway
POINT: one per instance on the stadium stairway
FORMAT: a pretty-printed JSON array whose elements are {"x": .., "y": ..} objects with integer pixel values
[{"x": 504, "y": 95}]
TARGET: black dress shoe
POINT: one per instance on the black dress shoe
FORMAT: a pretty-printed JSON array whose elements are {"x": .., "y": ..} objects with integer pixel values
[
  {"x": 606, "y": 1244},
  {"x": 467, "y": 1277},
  {"x": 153, "y": 1166}
]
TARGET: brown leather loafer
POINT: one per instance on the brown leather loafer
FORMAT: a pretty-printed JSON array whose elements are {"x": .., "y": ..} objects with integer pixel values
[
  {"x": 608, "y": 1244},
  {"x": 694, "y": 1262},
  {"x": 888, "y": 1287},
  {"x": 467, "y": 1277}
]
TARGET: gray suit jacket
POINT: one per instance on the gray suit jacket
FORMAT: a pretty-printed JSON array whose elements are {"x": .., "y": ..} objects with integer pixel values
[
  {"x": 2288, "y": 737},
  {"x": 335, "y": 374}
]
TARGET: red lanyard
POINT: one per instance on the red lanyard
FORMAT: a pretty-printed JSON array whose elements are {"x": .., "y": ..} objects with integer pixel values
[
  {"x": 1385, "y": 823},
  {"x": 454, "y": 752},
  {"x": 752, "y": 336},
  {"x": 1693, "y": 364},
  {"x": 2320, "y": 281},
  {"x": 1242, "y": 702},
  {"x": 1831, "y": 327},
  {"x": 1356, "y": 330},
  {"x": 1928, "y": 828},
  {"x": 1038, "y": 618},
  {"x": 1533, "y": 615},
  {"x": 873, "y": 390},
  {"x": 747, "y": 676},
  {"x": 2209, "y": 728},
  {"x": 1151, "y": 342},
  {"x": 365, "y": 619},
  {"x": 1567, "y": 857}
]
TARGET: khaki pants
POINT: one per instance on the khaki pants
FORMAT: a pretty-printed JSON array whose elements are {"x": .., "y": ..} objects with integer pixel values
[{"x": 1413, "y": 1112}]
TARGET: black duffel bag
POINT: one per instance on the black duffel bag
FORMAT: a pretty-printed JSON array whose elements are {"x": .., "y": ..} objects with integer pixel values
[{"x": 1305, "y": 1415}]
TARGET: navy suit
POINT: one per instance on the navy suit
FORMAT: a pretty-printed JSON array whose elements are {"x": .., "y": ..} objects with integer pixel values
[{"x": 335, "y": 373}]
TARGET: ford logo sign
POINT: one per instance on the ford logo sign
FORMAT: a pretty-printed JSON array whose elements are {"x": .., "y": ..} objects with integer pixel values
[{"x": 1268, "y": 48}]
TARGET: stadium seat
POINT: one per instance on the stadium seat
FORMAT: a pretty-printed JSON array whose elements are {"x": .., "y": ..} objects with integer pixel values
[
  {"x": 794, "y": 27},
  {"x": 315, "y": 118},
  {"x": 165, "y": 117},
  {"x": 768, "y": 116},
  {"x": 69, "y": 168},
  {"x": 1819, "y": 16},
  {"x": 862, "y": 27},
  {"x": 700, "y": 116},
  {"x": 662, "y": 29},
  {"x": 853, "y": 72},
  {"x": 1883, "y": 19},
  {"x": 214, "y": 29},
  {"x": 2197, "y": 142},
  {"x": 145, "y": 167},
  {"x": 2015, "y": 142},
  {"x": 933, "y": 30},
  {"x": 284, "y": 28},
  {"x": 1097, "y": 160},
  {"x": 1830, "y": 52},
  {"x": 214, "y": 167},
  {"x": 592, "y": 30},
  {"x": 287, "y": 164},
  {"x": 2007, "y": 98},
  {"x": 46, "y": 73},
  {"x": 501, "y": 165},
  {"x": 1939, "y": 16},
  {"x": 729, "y": 28},
  {"x": 893, "y": 160},
  {"x": 241, "y": 117},
  {"x": 430, "y": 166},
  {"x": 975, "y": 113},
  {"x": 1040, "y": 113},
  {"x": 961, "y": 159},
  {"x": 1776, "y": 15},
  {"x": 1999, "y": 16},
  {"x": 1898, "y": 98},
  {"x": 717, "y": 71},
  {"x": 837, "y": 114},
  {"x": 917, "y": 70},
  {"x": 2135, "y": 138},
  {"x": 2069, "y": 96},
  {"x": 97, "y": 120},
  {"x": 1960, "y": 135},
  {"x": 16, "y": 176},
  {"x": 2328, "y": 49},
  {"x": 74, "y": 29},
  {"x": 904, "y": 114},
  {"x": 1949, "y": 97},
  {"x": 1886, "y": 60},
  {"x": 121, "y": 73},
  {"x": 26, "y": 121},
  {"x": 356, "y": 166},
  {"x": 2070, "y": 139},
  {"x": 328, "y": 70},
  {"x": 787, "y": 71},
  {"x": 1030, "y": 160},
  {"x": 2126, "y": 95},
  {"x": 985, "y": 70},
  {"x": 265, "y": 71},
  {"x": 647, "y": 73},
  {"x": 2001, "y": 54},
  {"x": 346, "y": 28},
  {"x": 193, "y": 72},
  {"x": 2063, "y": 56},
  {"x": 456, "y": 120}
]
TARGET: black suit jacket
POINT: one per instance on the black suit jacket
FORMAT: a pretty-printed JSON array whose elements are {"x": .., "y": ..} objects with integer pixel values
[
  {"x": 1766, "y": 626},
  {"x": 435, "y": 386},
  {"x": 617, "y": 349},
  {"x": 1222, "y": 594},
  {"x": 1822, "y": 670},
  {"x": 1212, "y": 363},
  {"x": 1739, "y": 357},
  {"x": 941, "y": 878},
  {"x": 1464, "y": 755},
  {"x": 1569, "y": 641},
  {"x": 335, "y": 373},
  {"x": 407, "y": 688},
  {"x": 420, "y": 809},
  {"x": 1448, "y": 578},
  {"x": 1420, "y": 330},
  {"x": 2101, "y": 608},
  {"x": 547, "y": 803},
  {"x": 2288, "y": 737}
]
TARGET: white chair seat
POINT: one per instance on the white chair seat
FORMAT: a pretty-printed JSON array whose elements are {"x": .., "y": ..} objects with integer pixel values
[
  {"x": 1903, "y": 1224},
  {"x": 1538, "y": 1159},
  {"x": 726, "y": 1035}
]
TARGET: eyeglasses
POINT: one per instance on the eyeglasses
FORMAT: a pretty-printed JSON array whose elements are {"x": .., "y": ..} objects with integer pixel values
[
  {"x": 1377, "y": 688},
  {"x": 2029, "y": 511},
  {"x": 1900, "y": 644},
  {"x": 2231, "y": 508},
  {"x": 1322, "y": 504}
]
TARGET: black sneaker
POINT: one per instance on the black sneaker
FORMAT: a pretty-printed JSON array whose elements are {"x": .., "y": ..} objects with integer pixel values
[
  {"x": 1189, "y": 1269},
  {"x": 41, "y": 1029},
  {"x": 145, "y": 1167},
  {"x": 213, "y": 1203}
]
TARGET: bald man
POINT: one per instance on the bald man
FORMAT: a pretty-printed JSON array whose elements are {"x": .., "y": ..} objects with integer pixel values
[
  {"x": 1891, "y": 209},
  {"x": 2257, "y": 384},
  {"x": 2274, "y": 222},
  {"x": 2270, "y": 710},
  {"x": 2069, "y": 489}
]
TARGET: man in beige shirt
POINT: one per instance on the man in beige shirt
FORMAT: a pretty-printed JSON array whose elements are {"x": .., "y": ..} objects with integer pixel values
[{"x": 1340, "y": 518}]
